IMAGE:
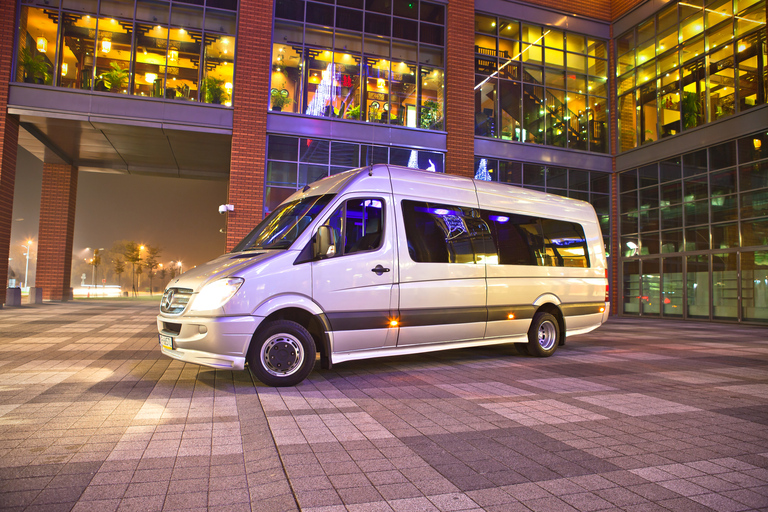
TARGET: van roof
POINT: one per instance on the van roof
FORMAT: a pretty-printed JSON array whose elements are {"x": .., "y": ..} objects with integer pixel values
[{"x": 513, "y": 196}]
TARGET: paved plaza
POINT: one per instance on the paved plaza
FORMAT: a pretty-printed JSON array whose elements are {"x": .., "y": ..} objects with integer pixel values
[{"x": 640, "y": 415}]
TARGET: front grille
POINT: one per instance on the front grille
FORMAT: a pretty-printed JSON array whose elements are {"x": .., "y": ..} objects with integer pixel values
[{"x": 175, "y": 300}]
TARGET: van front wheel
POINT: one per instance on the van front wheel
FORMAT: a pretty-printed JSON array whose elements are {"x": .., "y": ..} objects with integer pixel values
[
  {"x": 282, "y": 353},
  {"x": 543, "y": 335}
]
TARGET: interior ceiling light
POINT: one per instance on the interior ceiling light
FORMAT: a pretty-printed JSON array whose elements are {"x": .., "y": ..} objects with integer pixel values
[{"x": 42, "y": 44}]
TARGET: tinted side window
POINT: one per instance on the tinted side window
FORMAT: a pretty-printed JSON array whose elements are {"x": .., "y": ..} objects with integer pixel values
[
  {"x": 565, "y": 244},
  {"x": 528, "y": 240},
  {"x": 439, "y": 233}
]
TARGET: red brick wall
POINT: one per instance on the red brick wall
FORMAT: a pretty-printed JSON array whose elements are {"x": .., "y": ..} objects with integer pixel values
[
  {"x": 57, "y": 226},
  {"x": 9, "y": 135},
  {"x": 621, "y": 7},
  {"x": 460, "y": 29},
  {"x": 249, "y": 133},
  {"x": 597, "y": 9}
]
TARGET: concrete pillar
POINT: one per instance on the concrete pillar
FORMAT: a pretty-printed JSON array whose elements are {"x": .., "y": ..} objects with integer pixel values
[
  {"x": 460, "y": 78},
  {"x": 249, "y": 132},
  {"x": 57, "y": 227}
]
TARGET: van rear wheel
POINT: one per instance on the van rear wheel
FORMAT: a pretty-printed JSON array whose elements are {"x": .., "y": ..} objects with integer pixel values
[
  {"x": 543, "y": 335},
  {"x": 282, "y": 353}
]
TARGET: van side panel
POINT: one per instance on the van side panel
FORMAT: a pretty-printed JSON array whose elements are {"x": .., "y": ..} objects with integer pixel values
[
  {"x": 439, "y": 302},
  {"x": 579, "y": 291},
  {"x": 358, "y": 301}
]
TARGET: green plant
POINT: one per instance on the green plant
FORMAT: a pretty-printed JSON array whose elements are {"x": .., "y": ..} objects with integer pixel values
[
  {"x": 35, "y": 67},
  {"x": 353, "y": 113},
  {"x": 690, "y": 108},
  {"x": 115, "y": 78},
  {"x": 429, "y": 113},
  {"x": 279, "y": 101},
  {"x": 213, "y": 90}
]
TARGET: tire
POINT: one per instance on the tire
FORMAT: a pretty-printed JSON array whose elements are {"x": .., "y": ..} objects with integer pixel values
[
  {"x": 544, "y": 334},
  {"x": 282, "y": 353}
]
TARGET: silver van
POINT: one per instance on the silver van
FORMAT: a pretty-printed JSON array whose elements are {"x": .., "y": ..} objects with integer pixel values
[{"x": 383, "y": 261}]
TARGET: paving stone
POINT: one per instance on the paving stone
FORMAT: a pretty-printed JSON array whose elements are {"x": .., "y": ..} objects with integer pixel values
[{"x": 639, "y": 415}]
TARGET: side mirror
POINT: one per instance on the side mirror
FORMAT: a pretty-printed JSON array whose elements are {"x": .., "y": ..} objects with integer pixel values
[{"x": 323, "y": 245}]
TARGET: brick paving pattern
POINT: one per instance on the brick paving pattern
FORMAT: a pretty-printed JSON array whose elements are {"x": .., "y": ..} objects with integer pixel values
[{"x": 637, "y": 416}]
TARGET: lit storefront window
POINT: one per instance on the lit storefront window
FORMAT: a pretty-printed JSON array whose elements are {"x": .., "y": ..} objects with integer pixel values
[
  {"x": 383, "y": 63},
  {"x": 143, "y": 47},
  {"x": 540, "y": 85},
  {"x": 689, "y": 65}
]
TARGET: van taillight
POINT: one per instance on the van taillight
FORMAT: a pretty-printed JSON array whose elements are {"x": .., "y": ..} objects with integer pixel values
[{"x": 607, "y": 291}]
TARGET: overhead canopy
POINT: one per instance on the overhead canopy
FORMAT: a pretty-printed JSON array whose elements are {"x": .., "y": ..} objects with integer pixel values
[{"x": 123, "y": 134}]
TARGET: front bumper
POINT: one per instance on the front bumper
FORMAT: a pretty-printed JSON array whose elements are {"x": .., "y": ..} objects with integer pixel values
[{"x": 218, "y": 342}]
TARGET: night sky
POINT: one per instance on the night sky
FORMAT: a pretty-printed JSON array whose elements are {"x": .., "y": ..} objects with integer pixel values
[{"x": 179, "y": 215}]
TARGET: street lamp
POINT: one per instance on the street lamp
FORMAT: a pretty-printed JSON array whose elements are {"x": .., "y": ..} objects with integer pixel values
[
  {"x": 179, "y": 264},
  {"x": 26, "y": 270}
]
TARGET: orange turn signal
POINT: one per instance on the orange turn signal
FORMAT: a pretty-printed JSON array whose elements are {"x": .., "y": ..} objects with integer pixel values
[
  {"x": 602, "y": 310},
  {"x": 511, "y": 316},
  {"x": 393, "y": 323}
]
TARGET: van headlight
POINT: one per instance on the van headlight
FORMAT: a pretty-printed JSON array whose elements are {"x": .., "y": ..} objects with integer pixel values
[{"x": 215, "y": 294}]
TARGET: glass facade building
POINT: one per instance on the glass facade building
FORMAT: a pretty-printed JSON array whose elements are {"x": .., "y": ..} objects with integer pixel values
[
  {"x": 376, "y": 61},
  {"x": 658, "y": 116},
  {"x": 540, "y": 85},
  {"x": 152, "y": 48},
  {"x": 690, "y": 64},
  {"x": 694, "y": 234}
]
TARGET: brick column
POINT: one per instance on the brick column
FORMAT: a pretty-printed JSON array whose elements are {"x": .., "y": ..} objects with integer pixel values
[
  {"x": 459, "y": 104},
  {"x": 249, "y": 131},
  {"x": 57, "y": 227},
  {"x": 613, "y": 149},
  {"x": 9, "y": 138}
]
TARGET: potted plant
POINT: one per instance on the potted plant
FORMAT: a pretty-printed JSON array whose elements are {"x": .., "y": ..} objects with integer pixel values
[
  {"x": 353, "y": 113},
  {"x": 213, "y": 90},
  {"x": 690, "y": 108},
  {"x": 35, "y": 67},
  {"x": 114, "y": 79},
  {"x": 279, "y": 100},
  {"x": 429, "y": 114}
]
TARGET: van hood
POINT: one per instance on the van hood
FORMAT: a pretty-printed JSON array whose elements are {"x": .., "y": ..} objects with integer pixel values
[{"x": 226, "y": 265}]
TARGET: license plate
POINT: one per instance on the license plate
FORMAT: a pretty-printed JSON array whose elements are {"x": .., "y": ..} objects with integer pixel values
[{"x": 166, "y": 341}]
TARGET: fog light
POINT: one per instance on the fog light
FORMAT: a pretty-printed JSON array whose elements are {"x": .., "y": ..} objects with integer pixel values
[{"x": 202, "y": 329}]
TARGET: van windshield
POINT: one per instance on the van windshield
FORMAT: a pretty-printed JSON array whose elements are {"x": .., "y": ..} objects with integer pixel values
[{"x": 284, "y": 225}]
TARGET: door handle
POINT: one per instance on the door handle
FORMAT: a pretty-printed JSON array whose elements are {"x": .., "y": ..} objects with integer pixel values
[{"x": 379, "y": 270}]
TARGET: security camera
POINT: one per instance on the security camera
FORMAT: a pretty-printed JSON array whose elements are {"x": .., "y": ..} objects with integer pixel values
[{"x": 224, "y": 208}]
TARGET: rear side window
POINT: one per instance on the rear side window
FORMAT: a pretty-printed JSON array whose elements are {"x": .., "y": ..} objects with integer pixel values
[
  {"x": 529, "y": 240},
  {"x": 439, "y": 233}
]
